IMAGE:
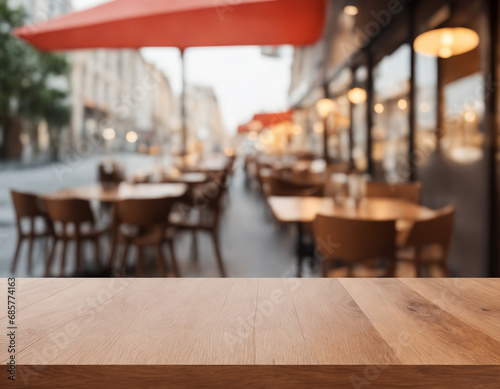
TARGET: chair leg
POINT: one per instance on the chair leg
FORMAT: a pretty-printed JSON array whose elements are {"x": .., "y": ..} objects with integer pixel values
[
  {"x": 97, "y": 252},
  {"x": 391, "y": 268},
  {"x": 175, "y": 267},
  {"x": 78, "y": 249},
  {"x": 195, "y": 246},
  {"x": 30, "y": 254},
  {"x": 51, "y": 256},
  {"x": 124, "y": 259},
  {"x": 16, "y": 255},
  {"x": 111, "y": 260},
  {"x": 46, "y": 247},
  {"x": 324, "y": 267},
  {"x": 446, "y": 270},
  {"x": 140, "y": 261},
  {"x": 418, "y": 264},
  {"x": 218, "y": 254},
  {"x": 63, "y": 256},
  {"x": 160, "y": 259}
]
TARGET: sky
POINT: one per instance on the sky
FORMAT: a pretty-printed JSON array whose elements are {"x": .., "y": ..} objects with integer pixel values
[{"x": 244, "y": 81}]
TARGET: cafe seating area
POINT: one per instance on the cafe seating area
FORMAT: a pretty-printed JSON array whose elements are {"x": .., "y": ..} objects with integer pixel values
[
  {"x": 336, "y": 222},
  {"x": 346, "y": 220},
  {"x": 126, "y": 221},
  {"x": 250, "y": 194}
]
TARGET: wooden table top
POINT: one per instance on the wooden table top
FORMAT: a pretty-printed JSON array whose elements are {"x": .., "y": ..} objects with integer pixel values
[
  {"x": 282, "y": 331},
  {"x": 124, "y": 191},
  {"x": 187, "y": 178},
  {"x": 151, "y": 176},
  {"x": 206, "y": 164},
  {"x": 305, "y": 209}
]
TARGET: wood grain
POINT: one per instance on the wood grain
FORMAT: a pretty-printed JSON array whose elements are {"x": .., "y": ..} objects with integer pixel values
[
  {"x": 179, "y": 333},
  {"x": 239, "y": 376},
  {"x": 415, "y": 326},
  {"x": 349, "y": 336}
]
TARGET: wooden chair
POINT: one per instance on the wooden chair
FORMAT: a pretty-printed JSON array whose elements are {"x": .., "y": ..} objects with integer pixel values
[
  {"x": 28, "y": 207},
  {"x": 73, "y": 221},
  {"x": 410, "y": 191},
  {"x": 428, "y": 243},
  {"x": 206, "y": 207},
  {"x": 263, "y": 173},
  {"x": 338, "y": 167},
  {"x": 111, "y": 174},
  {"x": 282, "y": 187},
  {"x": 355, "y": 244},
  {"x": 144, "y": 223}
]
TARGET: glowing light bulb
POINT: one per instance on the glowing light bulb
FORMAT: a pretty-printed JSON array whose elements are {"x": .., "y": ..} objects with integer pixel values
[
  {"x": 379, "y": 108},
  {"x": 351, "y": 10}
]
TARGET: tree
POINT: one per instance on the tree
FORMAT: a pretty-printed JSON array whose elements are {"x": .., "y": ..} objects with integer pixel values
[{"x": 28, "y": 87}]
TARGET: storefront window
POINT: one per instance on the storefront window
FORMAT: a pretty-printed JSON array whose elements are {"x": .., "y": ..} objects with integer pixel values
[
  {"x": 339, "y": 141},
  {"x": 426, "y": 78},
  {"x": 357, "y": 97},
  {"x": 391, "y": 118},
  {"x": 463, "y": 113}
]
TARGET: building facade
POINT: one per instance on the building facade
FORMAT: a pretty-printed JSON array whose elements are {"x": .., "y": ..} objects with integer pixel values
[
  {"x": 409, "y": 116},
  {"x": 118, "y": 89},
  {"x": 114, "y": 89},
  {"x": 206, "y": 132}
]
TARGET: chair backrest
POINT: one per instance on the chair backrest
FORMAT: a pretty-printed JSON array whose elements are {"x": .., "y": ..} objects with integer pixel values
[
  {"x": 409, "y": 191},
  {"x": 352, "y": 240},
  {"x": 435, "y": 231},
  {"x": 27, "y": 205},
  {"x": 143, "y": 212},
  {"x": 282, "y": 187},
  {"x": 69, "y": 211},
  {"x": 338, "y": 167},
  {"x": 111, "y": 173}
]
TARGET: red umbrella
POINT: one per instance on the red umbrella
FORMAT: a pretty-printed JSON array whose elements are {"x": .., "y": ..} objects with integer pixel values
[
  {"x": 182, "y": 24},
  {"x": 266, "y": 120},
  {"x": 271, "y": 119}
]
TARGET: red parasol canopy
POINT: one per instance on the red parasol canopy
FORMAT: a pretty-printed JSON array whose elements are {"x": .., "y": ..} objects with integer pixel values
[
  {"x": 182, "y": 24},
  {"x": 267, "y": 120},
  {"x": 271, "y": 119}
]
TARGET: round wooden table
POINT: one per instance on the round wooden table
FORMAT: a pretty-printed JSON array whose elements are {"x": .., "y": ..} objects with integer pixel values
[
  {"x": 124, "y": 191},
  {"x": 194, "y": 178},
  {"x": 303, "y": 210}
]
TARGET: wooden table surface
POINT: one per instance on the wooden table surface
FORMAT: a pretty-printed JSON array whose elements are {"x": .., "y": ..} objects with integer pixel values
[
  {"x": 124, "y": 191},
  {"x": 279, "y": 333},
  {"x": 186, "y": 178},
  {"x": 305, "y": 209}
]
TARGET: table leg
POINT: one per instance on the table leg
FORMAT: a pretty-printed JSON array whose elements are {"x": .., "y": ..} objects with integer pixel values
[
  {"x": 300, "y": 248},
  {"x": 114, "y": 240}
]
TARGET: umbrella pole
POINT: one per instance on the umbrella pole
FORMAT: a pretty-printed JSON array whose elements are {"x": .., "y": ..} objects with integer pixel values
[{"x": 183, "y": 107}]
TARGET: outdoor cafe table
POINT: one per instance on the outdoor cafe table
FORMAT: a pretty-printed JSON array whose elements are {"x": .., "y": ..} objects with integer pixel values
[
  {"x": 255, "y": 333},
  {"x": 193, "y": 178},
  {"x": 206, "y": 165},
  {"x": 124, "y": 191},
  {"x": 300, "y": 210}
]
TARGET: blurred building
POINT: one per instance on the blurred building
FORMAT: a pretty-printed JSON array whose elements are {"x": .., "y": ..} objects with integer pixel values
[
  {"x": 118, "y": 89},
  {"x": 42, "y": 10},
  {"x": 205, "y": 129},
  {"x": 426, "y": 112},
  {"x": 114, "y": 89}
]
